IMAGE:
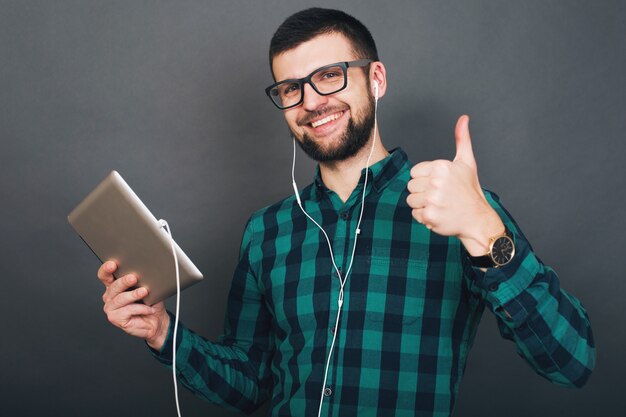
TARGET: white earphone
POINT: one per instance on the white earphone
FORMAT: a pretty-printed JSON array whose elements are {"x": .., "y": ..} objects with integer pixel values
[{"x": 342, "y": 277}]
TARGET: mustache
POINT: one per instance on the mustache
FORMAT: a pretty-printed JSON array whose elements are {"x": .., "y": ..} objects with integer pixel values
[{"x": 316, "y": 114}]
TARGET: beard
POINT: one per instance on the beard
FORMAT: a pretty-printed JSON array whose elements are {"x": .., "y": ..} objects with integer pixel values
[{"x": 355, "y": 137}]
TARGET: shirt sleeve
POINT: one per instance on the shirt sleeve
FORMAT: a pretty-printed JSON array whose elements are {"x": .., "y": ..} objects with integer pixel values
[
  {"x": 233, "y": 372},
  {"x": 550, "y": 327}
]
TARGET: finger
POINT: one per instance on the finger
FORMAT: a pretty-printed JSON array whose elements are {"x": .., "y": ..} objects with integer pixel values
[
  {"x": 418, "y": 185},
  {"x": 418, "y": 215},
  {"x": 122, "y": 285},
  {"x": 464, "y": 152},
  {"x": 416, "y": 200},
  {"x": 125, "y": 313},
  {"x": 423, "y": 169},
  {"x": 126, "y": 298},
  {"x": 105, "y": 272}
]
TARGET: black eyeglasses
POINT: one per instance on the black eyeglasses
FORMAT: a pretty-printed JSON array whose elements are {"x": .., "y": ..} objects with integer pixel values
[{"x": 326, "y": 80}]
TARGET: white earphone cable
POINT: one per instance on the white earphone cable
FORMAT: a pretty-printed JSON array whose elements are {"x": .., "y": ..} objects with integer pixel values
[
  {"x": 166, "y": 226},
  {"x": 342, "y": 279}
]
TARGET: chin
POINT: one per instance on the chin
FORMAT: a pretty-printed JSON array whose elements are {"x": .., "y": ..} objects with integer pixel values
[
  {"x": 340, "y": 150},
  {"x": 340, "y": 145}
]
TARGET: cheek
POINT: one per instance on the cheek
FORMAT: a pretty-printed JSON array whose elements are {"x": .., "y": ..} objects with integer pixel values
[
  {"x": 290, "y": 118},
  {"x": 296, "y": 130},
  {"x": 292, "y": 123}
]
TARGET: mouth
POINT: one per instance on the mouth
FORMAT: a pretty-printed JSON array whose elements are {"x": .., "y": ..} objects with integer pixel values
[{"x": 330, "y": 118}]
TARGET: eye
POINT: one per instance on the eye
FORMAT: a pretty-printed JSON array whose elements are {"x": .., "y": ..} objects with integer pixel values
[
  {"x": 330, "y": 74},
  {"x": 289, "y": 89}
]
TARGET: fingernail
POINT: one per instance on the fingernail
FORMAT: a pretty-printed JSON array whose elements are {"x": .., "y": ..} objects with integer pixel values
[
  {"x": 141, "y": 292},
  {"x": 131, "y": 279}
]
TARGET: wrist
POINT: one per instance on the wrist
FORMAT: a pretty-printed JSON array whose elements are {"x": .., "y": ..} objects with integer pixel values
[
  {"x": 157, "y": 341},
  {"x": 477, "y": 238}
]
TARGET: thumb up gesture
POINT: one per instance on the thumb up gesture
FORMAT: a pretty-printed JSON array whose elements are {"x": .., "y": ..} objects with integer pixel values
[{"x": 447, "y": 198}]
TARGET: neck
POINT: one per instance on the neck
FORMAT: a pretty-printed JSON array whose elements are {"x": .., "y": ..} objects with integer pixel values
[{"x": 343, "y": 176}]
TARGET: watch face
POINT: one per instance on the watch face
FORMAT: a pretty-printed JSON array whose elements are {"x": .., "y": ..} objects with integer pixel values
[{"x": 502, "y": 250}]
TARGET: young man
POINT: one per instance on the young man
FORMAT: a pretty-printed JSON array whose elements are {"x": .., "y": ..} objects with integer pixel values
[{"x": 336, "y": 311}]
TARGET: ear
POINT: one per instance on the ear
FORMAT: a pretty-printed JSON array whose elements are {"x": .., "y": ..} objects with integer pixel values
[{"x": 378, "y": 74}]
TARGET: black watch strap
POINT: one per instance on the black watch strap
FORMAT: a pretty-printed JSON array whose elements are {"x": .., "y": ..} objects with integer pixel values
[{"x": 485, "y": 261}]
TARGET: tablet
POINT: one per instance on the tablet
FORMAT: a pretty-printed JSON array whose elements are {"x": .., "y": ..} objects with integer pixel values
[{"x": 117, "y": 226}]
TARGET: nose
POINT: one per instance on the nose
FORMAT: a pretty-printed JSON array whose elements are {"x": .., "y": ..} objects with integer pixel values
[{"x": 312, "y": 100}]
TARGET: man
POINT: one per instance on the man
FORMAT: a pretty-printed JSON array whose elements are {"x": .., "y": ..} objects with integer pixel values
[{"x": 379, "y": 327}]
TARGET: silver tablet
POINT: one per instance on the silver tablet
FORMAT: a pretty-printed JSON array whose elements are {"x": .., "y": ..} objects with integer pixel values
[{"x": 117, "y": 226}]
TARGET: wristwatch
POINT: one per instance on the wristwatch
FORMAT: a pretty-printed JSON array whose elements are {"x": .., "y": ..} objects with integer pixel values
[{"x": 501, "y": 251}]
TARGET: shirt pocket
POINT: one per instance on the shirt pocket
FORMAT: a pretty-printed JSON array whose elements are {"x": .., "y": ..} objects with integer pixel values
[{"x": 393, "y": 290}]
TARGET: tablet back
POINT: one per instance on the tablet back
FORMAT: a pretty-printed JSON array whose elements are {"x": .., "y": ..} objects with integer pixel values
[{"x": 117, "y": 226}]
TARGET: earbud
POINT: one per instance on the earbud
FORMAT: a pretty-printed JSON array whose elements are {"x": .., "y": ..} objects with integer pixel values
[{"x": 376, "y": 89}]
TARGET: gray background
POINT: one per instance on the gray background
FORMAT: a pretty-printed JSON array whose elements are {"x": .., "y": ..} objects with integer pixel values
[{"x": 171, "y": 95}]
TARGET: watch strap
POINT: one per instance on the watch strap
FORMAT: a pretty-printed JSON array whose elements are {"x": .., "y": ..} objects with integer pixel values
[{"x": 485, "y": 261}]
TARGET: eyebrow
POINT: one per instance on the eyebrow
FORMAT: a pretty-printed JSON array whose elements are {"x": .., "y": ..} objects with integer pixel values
[{"x": 292, "y": 78}]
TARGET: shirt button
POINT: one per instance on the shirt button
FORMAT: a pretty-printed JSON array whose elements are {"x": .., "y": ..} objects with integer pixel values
[
  {"x": 344, "y": 215},
  {"x": 494, "y": 286},
  {"x": 332, "y": 330},
  {"x": 328, "y": 392}
]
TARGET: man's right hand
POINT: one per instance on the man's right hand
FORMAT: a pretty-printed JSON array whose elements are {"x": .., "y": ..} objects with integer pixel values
[{"x": 123, "y": 310}]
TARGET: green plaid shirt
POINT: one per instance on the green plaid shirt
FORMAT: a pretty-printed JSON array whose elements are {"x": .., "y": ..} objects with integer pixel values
[{"x": 411, "y": 310}]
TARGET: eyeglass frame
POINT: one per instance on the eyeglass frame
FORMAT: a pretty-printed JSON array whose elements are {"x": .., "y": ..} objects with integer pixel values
[{"x": 307, "y": 80}]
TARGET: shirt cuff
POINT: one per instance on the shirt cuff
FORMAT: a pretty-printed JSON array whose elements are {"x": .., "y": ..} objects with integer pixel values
[{"x": 502, "y": 285}]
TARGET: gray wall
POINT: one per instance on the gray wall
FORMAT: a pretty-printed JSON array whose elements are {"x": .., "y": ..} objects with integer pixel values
[{"x": 171, "y": 95}]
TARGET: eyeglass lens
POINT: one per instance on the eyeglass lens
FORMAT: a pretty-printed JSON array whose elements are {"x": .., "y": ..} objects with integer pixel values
[{"x": 326, "y": 81}]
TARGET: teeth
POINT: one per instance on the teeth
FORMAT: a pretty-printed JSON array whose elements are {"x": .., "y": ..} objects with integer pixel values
[{"x": 325, "y": 120}]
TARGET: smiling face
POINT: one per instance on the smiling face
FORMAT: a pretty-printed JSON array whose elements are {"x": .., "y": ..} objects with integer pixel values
[{"x": 333, "y": 127}]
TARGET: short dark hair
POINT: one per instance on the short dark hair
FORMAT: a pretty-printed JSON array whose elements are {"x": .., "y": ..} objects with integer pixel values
[{"x": 309, "y": 23}]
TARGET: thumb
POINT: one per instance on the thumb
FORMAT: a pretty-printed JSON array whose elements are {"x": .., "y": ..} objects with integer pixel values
[{"x": 464, "y": 152}]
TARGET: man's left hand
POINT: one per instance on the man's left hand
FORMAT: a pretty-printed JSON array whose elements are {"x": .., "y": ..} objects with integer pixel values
[{"x": 447, "y": 198}]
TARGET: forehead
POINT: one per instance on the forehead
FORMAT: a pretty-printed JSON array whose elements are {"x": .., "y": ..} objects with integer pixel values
[{"x": 305, "y": 58}]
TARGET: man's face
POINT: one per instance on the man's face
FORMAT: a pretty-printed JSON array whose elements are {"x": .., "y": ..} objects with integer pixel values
[{"x": 333, "y": 127}]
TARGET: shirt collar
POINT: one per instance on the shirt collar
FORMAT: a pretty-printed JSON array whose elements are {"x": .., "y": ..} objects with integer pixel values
[{"x": 380, "y": 174}]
